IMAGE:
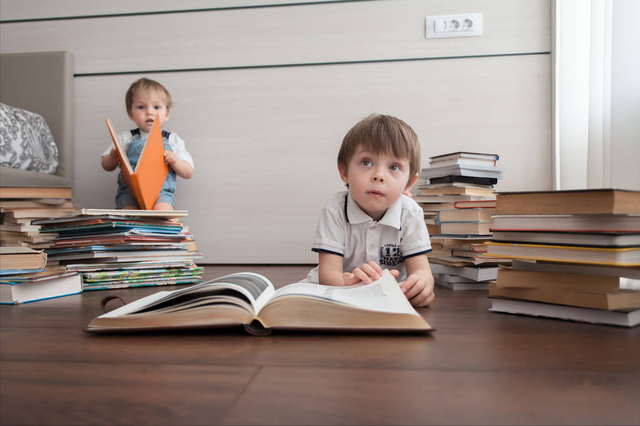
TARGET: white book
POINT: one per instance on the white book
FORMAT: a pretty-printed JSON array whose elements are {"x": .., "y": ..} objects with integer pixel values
[
  {"x": 14, "y": 293},
  {"x": 570, "y": 313},
  {"x": 469, "y": 272}
]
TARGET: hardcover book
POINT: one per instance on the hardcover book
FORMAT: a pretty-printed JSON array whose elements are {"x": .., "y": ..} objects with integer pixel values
[
  {"x": 627, "y": 256},
  {"x": 15, "y": 290},
  {"x": 145, "y": 182},
  {"x": 251, "y": 301},
  {"x": 587, "y": 201},
  {"x": 629, "y": 318}
]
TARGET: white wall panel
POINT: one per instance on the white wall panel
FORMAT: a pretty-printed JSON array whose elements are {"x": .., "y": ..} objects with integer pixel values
[
  {"x": 265, "y": 140},
  {"x": 13, "y": 10},
  {"x": 316, "y": 33}
]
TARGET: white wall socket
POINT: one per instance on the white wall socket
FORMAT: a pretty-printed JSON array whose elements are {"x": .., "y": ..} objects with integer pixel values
[{"x": 462, "y": 25}]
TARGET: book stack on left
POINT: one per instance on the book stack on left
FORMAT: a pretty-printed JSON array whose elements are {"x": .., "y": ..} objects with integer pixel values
[
  {"x": 24, "y": 273},
  {"x": 123, "y": 248},
  {"x": 458, "y": 203},
  {"x": 20, "y": 206},
  {"x": 576, "y": 255}
]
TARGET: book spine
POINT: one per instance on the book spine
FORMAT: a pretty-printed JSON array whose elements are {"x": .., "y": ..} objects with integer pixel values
[{"x": 137, "y": 193}]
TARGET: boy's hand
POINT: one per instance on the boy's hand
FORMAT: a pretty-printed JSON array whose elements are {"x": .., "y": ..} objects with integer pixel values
[
  {"x": 170, "y": 158},
  {"x": 114, "y": 156},
  {"x": 418, "y": 290},
  {"x": 367, "y": 273}
]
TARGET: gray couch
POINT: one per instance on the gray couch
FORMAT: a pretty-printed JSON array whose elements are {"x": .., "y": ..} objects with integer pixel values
[{"x": 41, "y": 82}]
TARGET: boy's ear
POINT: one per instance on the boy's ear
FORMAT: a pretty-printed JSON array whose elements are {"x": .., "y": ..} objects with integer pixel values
[
  {"x": 343, "y": 175},
  {"x": 412, "y": 182}
]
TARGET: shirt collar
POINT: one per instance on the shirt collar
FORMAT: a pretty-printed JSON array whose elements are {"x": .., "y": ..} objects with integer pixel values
[{"x": 392, "y": 217}]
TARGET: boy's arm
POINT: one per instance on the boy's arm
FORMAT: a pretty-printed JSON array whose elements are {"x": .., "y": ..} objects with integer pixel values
[
  {"x": 418, "y": 287},
  {"x": 330, "y": 269}
]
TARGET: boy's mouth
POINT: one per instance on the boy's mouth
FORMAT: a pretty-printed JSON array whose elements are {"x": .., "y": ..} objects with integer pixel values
[{"x": 375, "y": 193}]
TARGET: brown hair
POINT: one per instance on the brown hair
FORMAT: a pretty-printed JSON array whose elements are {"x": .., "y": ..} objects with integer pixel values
[
  {"x": 147, "y": 84},
  {"x": 382, "y": 133}
]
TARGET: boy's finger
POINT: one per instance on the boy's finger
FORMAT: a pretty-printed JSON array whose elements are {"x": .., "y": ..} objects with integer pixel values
[
  {"x": 375, "y": 266},
  {"x": 359, "y": 273},
  {"x": 409, "y": 286},
  {"x": 394, "y": 272},
  {"x": 371, "y": 272},
  {"x": 349, "y": 278}
]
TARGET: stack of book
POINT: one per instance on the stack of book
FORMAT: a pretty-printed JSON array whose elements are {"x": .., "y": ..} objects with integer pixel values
[
  {"x": 576, "y": 255},
  {"x": 23, "y": 277},
  {"x": 458, "y": 202},
  {"x": 123, "y": 248},
  {"x": 20, "y": 206}
]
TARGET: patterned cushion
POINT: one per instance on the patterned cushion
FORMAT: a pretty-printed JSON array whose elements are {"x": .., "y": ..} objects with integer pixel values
[{"x": 26, "y": 141}]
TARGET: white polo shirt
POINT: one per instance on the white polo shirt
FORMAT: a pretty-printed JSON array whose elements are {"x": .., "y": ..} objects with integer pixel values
[{"x": 347, "y": 231}]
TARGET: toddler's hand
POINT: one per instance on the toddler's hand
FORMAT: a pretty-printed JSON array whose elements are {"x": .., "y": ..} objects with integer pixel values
[
  {"x": 418, "y": 290},
  {"x": 366, "y": 273},
  {"x": 114, "y": 156},
  {"x": 170, "y": 158}
]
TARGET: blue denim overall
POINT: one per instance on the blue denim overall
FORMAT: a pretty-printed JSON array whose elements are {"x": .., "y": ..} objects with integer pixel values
[{"x": 124, "y": 197}]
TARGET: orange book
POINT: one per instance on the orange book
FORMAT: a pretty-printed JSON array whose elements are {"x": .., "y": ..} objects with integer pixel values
[{"x": 145, "y": 182}]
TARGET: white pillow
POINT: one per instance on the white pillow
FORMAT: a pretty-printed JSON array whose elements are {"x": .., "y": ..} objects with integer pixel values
[{"x": 26, "y": 141}]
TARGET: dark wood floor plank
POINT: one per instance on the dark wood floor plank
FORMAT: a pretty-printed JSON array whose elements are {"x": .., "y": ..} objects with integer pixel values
[
  {"x": 97, "y": 393},
  {"x": 374, "y": 396},
  {"x": 477, "y": 367}
]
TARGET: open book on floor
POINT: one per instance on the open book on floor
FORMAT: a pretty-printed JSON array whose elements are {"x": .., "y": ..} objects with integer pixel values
[
  {"x": 250, "y": 300},
  {"x": 145, "y": 182}
]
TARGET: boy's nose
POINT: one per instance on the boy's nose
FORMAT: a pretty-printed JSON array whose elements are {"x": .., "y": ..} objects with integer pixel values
[{"x": 378, "y": 177}]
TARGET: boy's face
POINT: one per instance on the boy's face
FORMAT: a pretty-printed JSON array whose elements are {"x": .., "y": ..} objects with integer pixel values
[
  {"x": 147, "y": 104},
  {"x": 376, "y": 181}
]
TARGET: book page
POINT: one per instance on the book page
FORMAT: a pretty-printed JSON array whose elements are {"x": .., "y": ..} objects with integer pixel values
[
  {"x": 253, "y": 287},
  {"x": 383, "y": 295},
  {"x": 123, "y": 156}
]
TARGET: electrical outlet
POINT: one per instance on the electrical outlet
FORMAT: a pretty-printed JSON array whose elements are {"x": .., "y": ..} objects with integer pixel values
[{"x": 463, "y": 25}]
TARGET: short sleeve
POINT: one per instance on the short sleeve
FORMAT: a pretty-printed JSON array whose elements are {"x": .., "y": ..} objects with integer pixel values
[
  {"x": 124, "y": 138},
  {"x": 330, "y": 234},
  {"x": 180, "y": 149},
  {"x": 415, "y": 237}
]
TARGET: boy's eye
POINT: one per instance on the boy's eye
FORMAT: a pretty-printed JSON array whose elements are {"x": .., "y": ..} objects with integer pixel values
[
  {"x": 157, "y": 107},
  {"x": 394, "y": 168},
  {"x": 366, "y": 162}
]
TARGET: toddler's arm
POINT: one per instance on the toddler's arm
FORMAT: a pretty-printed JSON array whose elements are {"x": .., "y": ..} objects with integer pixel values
[
  {"x": 418, "y": 287},
  {"x": 111, "y": 160},
  {"x": 181, "y": 167}
]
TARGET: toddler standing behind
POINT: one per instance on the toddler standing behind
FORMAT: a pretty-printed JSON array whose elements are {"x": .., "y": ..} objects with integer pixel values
[{"x": 145, "y": 100}]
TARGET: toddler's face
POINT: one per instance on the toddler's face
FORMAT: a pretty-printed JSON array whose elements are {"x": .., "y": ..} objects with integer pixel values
[
  {"x": 376, "y": 181},
  {"x": 147, "y": 104}
]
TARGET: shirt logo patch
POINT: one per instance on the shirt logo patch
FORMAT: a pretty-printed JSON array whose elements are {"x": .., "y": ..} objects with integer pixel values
[{"x": 390, "y": 255}]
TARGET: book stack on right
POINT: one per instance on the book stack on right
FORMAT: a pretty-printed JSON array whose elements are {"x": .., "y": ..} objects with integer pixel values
[
  {"x": 458, "y": 202},
  {"x": 576, "y": 255}
]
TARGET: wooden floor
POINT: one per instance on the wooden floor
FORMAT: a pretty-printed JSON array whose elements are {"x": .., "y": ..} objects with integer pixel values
[{"x": 478, "y": 367}]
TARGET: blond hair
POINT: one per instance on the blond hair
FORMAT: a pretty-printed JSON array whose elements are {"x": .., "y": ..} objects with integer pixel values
[
  {"x": 149, "y": 85},
  {"x": 382, "y": 134}
]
